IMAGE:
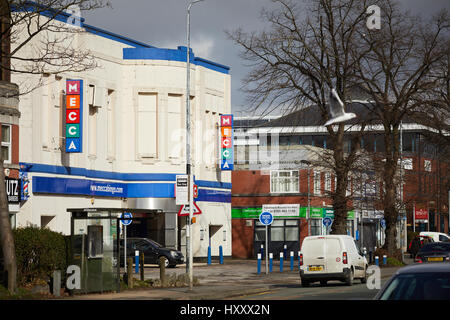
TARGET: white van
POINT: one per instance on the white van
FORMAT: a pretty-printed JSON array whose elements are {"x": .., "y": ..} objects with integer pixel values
[
  {"x": 437, "y": 236},
  {"x": 331, "y": 257}
]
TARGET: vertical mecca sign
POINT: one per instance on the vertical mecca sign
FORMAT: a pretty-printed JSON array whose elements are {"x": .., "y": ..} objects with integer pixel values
[
  {"x": 74, "y": 116},
  {"x": 226, "y": 142}
]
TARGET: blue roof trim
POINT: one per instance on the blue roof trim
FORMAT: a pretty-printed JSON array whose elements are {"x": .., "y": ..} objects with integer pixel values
[
  {"x": 178, "y": 54},
  {"x": 62, "y": 16}
]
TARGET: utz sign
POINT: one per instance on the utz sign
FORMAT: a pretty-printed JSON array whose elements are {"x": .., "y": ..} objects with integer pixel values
[
  {"x": 74, "y": 116},
  {"x": 226, "y": 148}
]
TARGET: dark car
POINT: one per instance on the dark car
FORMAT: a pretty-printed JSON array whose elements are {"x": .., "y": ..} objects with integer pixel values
[
  {"x": 434, "y": 252},
  {"x": 428, "y": 281},
  {"x": 418, "y": 242},
  {"x": 152, "y": 252}
]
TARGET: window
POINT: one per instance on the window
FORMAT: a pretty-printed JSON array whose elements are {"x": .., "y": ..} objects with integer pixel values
[
  {"x": 317, "y": 182},
  {"x": 316, "y": 227},
  {"x": 147, "y": 125},
  {"x": 6, "y": 143},
  {"x": 427, "y": 165},
  {"x": 284, "y": 181},
  {"x": 327, "y": 181}
]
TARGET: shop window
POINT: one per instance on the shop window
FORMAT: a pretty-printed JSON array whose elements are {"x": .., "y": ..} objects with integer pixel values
[
  {"x": 284, "y": 181},
  {"x": 6, "y": 143},
  {"x": 316, "y": 227}
]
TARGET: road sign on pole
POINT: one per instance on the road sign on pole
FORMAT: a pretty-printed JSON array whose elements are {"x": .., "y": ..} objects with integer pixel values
[
  {"x": 181, "y": 189},
  {"x": 128, "y": 216},
  {"x": 266, "y": 218},
  {"x": 184, "y": 210}
]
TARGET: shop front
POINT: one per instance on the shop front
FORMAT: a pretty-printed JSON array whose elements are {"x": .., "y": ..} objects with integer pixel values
[{"x": 291, "y": 224}]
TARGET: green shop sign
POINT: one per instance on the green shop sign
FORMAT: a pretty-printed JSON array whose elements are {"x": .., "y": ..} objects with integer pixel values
[{"x": 316, "y": 213}]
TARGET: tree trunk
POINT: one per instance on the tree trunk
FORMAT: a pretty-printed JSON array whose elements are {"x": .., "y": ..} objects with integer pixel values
[
  {"x": 6, "y": 236},
  {"x": 339, "y": 196}
]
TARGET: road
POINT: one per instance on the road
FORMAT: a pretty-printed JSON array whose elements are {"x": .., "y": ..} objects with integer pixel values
[{"x": 334, "y": 290}]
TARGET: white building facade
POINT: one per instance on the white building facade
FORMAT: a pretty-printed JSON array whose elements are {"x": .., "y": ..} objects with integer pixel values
[{"x": 132, "y": 137}]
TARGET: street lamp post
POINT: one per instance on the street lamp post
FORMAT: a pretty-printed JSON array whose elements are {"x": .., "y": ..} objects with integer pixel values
[{"x": 189, "y": 247}]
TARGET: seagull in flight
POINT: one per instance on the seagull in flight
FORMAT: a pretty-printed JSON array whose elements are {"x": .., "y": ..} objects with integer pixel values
[{"x": 337, "y": 110}]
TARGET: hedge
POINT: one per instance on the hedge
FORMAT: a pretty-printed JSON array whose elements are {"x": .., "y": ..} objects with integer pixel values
[{"x": 39, "y": 252}]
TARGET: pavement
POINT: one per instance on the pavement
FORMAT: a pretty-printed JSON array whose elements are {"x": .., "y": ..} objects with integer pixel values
[{"x": 230, "y": 280}]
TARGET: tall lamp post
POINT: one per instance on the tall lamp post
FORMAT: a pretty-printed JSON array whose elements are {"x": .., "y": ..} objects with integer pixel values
[{"x": 189, "y": 260}]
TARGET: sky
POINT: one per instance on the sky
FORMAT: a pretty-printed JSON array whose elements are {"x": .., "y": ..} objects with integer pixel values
[{"x": 162, "y": 23}]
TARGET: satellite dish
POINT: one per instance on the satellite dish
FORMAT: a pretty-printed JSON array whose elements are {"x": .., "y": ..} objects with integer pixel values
[{"x": 337, "y": 110}]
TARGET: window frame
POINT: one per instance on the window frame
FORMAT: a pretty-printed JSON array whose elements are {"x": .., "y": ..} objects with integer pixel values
[
  {"x": 7, "y": 144},
  {"x": 296, "y": 182}
]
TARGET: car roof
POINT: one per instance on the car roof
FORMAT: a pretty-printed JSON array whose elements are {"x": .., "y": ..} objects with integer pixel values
[{"x": 425, "y": 267}]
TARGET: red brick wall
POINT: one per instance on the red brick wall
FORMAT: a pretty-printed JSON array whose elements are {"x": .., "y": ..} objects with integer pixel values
[{"x": 242, "y": 239}]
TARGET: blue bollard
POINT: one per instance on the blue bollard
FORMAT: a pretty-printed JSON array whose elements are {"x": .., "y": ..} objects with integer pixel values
[
  {"x": 270, "y": 262},
  {"x": 209, "y": 255},
  {"x": 299, "y": 260},
  {"x": 376, "y": 261},
  {"x": 292, "y": 260},
  {"x": 285, "y": 251},
  {"x": 384, "y": 259},
  {"x": 220, "y": 255},
  {"x": 259, "y": 263},
  {"x": 281, "y": 261},
  {"x": 262, "y": 250},
  {"x": 136, "y": 261}
]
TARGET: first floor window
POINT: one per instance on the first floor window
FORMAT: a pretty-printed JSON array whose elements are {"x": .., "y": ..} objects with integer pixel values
[
  {"x": 6, "y": 143},
  {"x": 284, "y": 181}
]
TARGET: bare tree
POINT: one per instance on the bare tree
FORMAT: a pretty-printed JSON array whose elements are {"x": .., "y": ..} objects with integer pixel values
[
  {"x": 37, "y": 37},
  {"x": 297, "y": 62},
  {"x": 397, "y": 72}
]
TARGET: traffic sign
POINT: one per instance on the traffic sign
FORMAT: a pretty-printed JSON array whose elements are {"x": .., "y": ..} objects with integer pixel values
[
  {"x": 383, "y": 223},
  {"x": 266, "y": 218},
  {"x": 181, "y": 189},
  {"x": 184, "y": 210},
  {"x": 128, "y": 216},
  {"x": 195, "y": 191},
  {"x": 327, "y": 221}
]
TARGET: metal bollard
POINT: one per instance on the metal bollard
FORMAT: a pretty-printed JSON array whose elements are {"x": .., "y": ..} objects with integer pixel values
[
  {"x": 209, "y": 255},
  {"x": 292, "y": 260},
  {"x": 384, "y": 259},
  {"x": 220, "y": 255},
  {"x": 281, "y": 261},
  {"x": 270, "y": 262},
  {"x": 142, "y": 266},
  {"x": 136, "y": 261},
  {"x": 376, "y": 261},
  {"x": 259, "y": 263}
]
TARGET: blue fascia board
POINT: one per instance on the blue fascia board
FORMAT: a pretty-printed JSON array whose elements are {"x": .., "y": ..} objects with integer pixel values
[
  {"x": 96, "y": 174},
  {"x": 178, "y": 54},
  {"x": 70, "y": 186}
]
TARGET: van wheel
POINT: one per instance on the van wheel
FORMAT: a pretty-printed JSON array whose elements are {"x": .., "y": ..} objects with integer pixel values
[
  {"x": 305, "y": 283},
  {"x": 349, "y": 279}
]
